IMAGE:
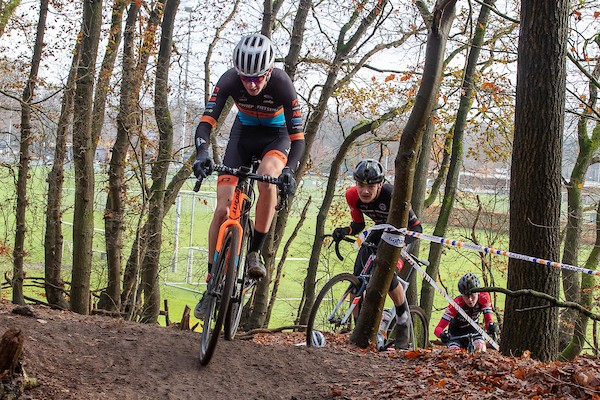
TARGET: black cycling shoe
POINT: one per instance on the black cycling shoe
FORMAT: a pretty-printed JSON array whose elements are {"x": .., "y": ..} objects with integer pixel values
[
  {"x": 402, "y": 337},
  {"x": 200, "y": 309},
  {"x": 256, "y": 269}
]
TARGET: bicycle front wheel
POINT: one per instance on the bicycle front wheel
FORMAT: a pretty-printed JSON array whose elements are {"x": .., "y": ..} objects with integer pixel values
[
  {"x": 332, "y": 311},
  {"x": 241, "y": 288},
  {"x": 219, "y": 293}
]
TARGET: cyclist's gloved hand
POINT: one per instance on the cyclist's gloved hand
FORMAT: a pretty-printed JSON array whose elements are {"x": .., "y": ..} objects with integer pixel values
[
  {"x": 492, "y": 330},
  {"x": 287, "y": 180},
  {"x": 340, "y": 233},
  {"x": 203, "y": 165},
  {"x": 445, "y": 337}
]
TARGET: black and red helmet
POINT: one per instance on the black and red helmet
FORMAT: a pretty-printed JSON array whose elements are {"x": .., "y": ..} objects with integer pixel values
[{"x": 368, "y": 171}]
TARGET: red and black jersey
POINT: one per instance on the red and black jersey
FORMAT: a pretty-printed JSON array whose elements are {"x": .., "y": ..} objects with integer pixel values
[
  {"x": 275, "y": 106},
  {"x": 378, "y": 210},
  {"x": 458, "y": 323}
]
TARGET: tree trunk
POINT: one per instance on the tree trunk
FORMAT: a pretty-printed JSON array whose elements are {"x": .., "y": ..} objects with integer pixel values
[
  {"x": 83, "y": 157},
  {"x": 128, "y": 114},
  {"x": 418, "y": 199},
  {"x": 535, "y": 193},
  {"x": 410, "y": 140},
  {"x": 160, "y": 168},
  {"x": 128, "y": 127},
  {"x": 113, "y": 290},
  {"x": 456, "y": 159},
  {"x": 11, "y": 350},
  {"x": 291, "y": 60},
  {"x": 587, "y": 148},
  {"x": 53, "y": 240},
  {"x": 25, "y": 156},
  {"x": 578, "y": 339}
]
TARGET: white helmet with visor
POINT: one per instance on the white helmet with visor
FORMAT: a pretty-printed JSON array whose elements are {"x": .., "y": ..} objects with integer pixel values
[{"x": 253, "y": 56}]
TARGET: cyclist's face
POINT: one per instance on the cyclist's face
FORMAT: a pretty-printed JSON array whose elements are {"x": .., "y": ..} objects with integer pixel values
[
  {"x": 368, "y": 192},
  {"x": 471, "y": 299},
  {"x": 255, "y": 85}
]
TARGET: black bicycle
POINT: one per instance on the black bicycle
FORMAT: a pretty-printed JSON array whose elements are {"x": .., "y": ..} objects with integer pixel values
[{"x": 338, "y": 303}]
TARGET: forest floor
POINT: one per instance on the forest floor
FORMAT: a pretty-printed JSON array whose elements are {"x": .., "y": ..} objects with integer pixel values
[{"x": 92, "y": 357}]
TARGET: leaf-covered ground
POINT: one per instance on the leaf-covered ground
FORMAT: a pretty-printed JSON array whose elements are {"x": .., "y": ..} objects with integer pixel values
[{"x": 84, "y": 357}]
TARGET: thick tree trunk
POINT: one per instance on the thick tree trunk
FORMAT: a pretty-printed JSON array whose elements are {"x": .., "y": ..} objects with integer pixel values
[
  {"x": 535, "y": 192},
  {"x": 160, "y": 168},
  {"x": 53, "y": 240},
  {"x": 83, "y": 156},
  {"x": 25, "y": 156},
  {"x": 11, "y": 349}
]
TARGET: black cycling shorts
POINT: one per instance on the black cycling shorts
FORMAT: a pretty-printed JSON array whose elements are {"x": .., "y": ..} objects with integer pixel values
[{"x": 247, "y": 141}]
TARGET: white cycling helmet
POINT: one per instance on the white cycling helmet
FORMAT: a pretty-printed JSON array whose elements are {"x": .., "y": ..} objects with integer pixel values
[
  {"x": 253, "y": 55},
  {"x": 318, "y": 339}
]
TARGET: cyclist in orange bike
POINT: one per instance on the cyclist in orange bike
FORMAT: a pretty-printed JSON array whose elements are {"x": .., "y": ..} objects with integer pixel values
[
  {"x": 372, "y": 197},
  {"x": 268, "y": 126},
  {"x": 473, "y": 303}
]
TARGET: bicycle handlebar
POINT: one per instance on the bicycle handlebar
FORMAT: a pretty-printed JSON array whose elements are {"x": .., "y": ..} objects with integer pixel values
[
  {"x": 348, "y": 239},
  {"x": 246, "y": 173}
]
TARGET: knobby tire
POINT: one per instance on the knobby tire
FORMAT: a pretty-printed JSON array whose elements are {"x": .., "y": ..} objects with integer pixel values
[
  {"x": 420, "y": 328},
  {"x": 219, "y": 302},
  {"x": 236, "y": 304}
]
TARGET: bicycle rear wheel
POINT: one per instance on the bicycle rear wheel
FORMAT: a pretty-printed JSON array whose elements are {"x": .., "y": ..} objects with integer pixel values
[
  {"x": 331, "y": 310},
  {"x": 241, "y": 288},
  {"x": 219, "y": 293},
  {"x": 420, "y": 328}
]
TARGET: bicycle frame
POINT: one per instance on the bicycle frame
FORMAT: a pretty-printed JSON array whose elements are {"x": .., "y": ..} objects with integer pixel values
[
  {"x": 364, "y": 277},
  {"x": 233, "y": 220}
]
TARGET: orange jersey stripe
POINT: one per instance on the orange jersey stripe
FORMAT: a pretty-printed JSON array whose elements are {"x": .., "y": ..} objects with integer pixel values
[
  {"x": 209, "y": 119},
  {"x": 297, "y": 136},
  {"x": 262, "y": 114}
]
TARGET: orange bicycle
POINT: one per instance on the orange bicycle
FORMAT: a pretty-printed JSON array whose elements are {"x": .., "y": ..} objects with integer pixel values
[{"x": 229, "y": 286}]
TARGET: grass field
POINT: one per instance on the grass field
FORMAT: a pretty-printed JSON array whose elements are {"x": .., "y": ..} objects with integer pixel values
[{"x": 183, "y": 272}]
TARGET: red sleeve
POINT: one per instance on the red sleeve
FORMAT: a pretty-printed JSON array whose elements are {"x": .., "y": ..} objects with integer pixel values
[
  {"x": 486, "y": 305},
  {"x": 352, "y": 199},
  {"x": 441, "y": 326}
]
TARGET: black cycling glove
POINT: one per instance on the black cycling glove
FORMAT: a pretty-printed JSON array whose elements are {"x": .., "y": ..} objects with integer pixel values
[
  {"x": 340, "y": 233},
  {"x": 203, "y": 164},
  {"x": 287, "y": 180},
  {"x": 445, "y": 337}
]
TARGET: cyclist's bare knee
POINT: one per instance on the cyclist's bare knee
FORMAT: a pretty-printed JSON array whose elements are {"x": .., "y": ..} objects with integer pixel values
[{"x": 480, "y": 345}]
